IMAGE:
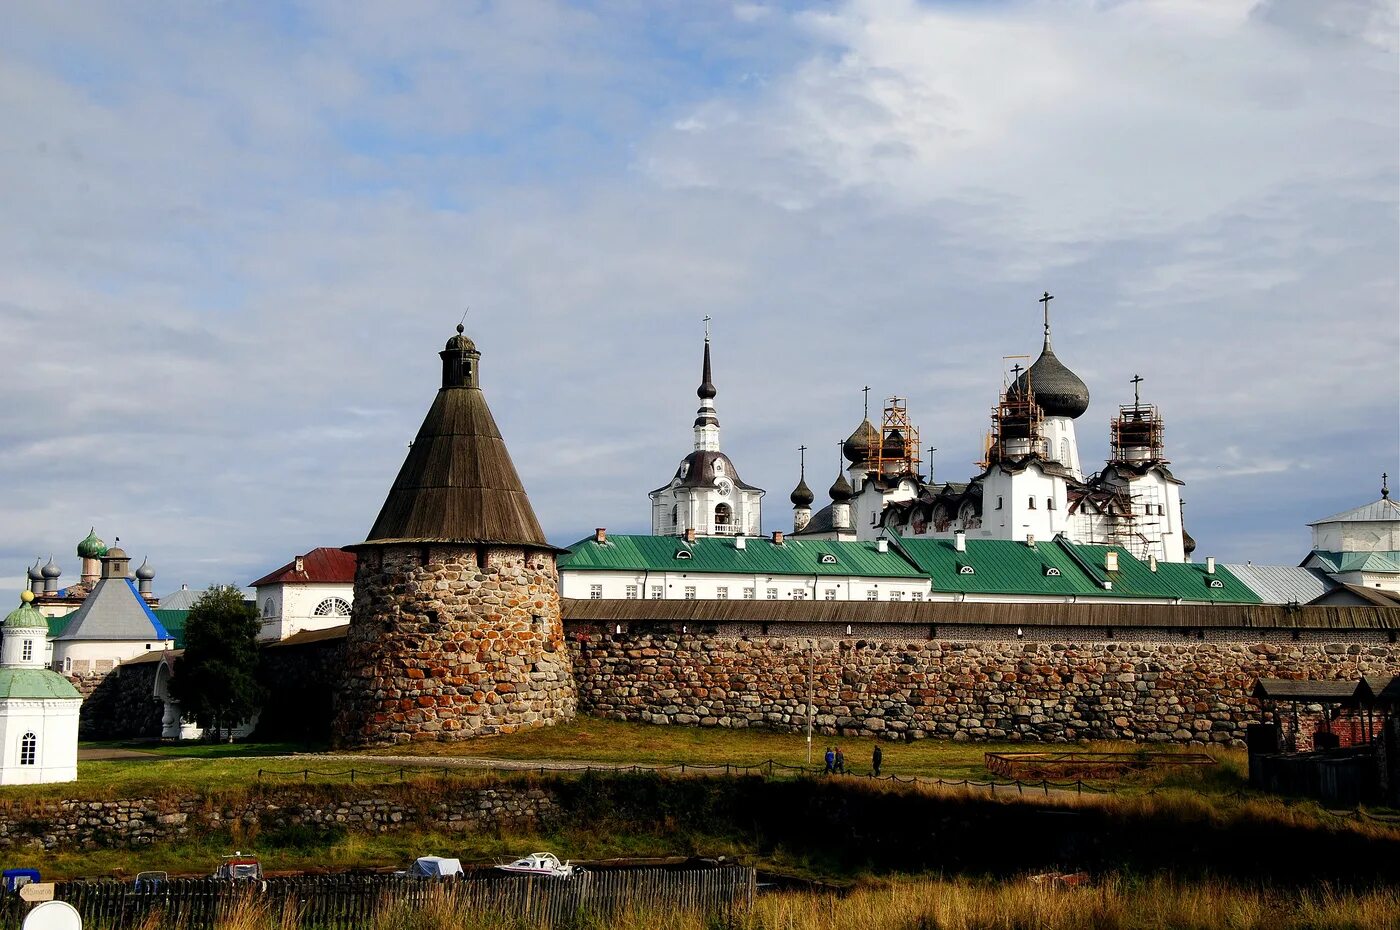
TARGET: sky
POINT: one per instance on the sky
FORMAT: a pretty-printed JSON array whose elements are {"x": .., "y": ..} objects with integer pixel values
[{"x": 236, "y": 235}]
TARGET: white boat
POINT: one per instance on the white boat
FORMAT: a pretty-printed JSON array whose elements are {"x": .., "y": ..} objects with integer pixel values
[{"x": 541, "y": 863}]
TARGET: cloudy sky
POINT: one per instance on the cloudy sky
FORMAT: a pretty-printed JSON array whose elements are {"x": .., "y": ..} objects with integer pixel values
[{"x": 235, "y": 236}]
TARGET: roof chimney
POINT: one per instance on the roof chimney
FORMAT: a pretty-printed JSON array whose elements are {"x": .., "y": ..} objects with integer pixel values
[
  {"x": 740, "y": 542},
  {"x": 960, "y": 541},
  {"x": 777, "y": 537},
  {"x": 1110, "y": 560},
  {"x": 1030, "y": 540},
  {"x": 1210, "y": 565},
  {"x": 882, "y": 545},
  {"x": 300, "y": 566},
  {"x": 690, "y": 534},
  {"x": 1151, "y": 563},
  {"x": 600, "y": 535}
]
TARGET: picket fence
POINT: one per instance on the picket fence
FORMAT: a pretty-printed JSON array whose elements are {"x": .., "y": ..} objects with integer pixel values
[{"x": 350, "y": 902}]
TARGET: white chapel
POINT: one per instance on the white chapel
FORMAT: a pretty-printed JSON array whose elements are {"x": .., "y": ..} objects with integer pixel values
[{"x": 38, "y": 706}]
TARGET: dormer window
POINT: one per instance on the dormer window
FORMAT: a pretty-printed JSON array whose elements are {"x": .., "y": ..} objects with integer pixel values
[
  {"x": 1215, "y": 583},
  {"x": 685, "y": 469},
  {"x": 684, "y": 554},
  {"x": 1051, "y": 571},
  {"x": 719, "y": 467},
  {"x": 966, "y": 570},
  {"x": 827, "y": 559}
]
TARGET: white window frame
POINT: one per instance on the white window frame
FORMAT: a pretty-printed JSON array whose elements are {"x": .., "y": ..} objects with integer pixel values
[
  {"x": 28, "y": 652},
  {"x": 872, "y": 594},
  {"x": 829, "y": 595},
  {"x": 632, "y": 592},
  {"x": 690, "y": 592},
  {"x": 896, "y": 595},
  {"x": 658, "y": 592},
  {"x": 722, "y": 592},
  {"x": 331, "y": 607},
  {"x": 29, "y": 749},
  {"x": 749, "y": 594},
  {"x": 770, "y": 594},
  {"x": 595, "y": 592}
]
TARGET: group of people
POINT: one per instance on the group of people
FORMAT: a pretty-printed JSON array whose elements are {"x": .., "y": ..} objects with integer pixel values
[{"x": 836, "y": 761}]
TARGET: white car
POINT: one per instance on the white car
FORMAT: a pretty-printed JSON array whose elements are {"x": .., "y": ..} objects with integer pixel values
[{"x": 541, "y": 863}]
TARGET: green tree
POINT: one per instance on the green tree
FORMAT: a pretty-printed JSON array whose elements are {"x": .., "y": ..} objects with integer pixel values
[{"x": 215, "y": 681}]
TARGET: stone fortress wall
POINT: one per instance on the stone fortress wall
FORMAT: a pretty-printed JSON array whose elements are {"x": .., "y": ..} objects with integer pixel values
[
  {"x": 1050, "y": 685},
  {"x": 455, "y": 642}
]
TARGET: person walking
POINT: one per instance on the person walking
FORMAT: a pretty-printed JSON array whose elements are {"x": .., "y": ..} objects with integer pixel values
[
  {"x": 830, "y": 761},
  {"x": 840, "y": 761},
  {"x": 876, "y": 757}
]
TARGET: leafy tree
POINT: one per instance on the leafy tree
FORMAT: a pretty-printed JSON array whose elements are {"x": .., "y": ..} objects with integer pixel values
[{"x": 215, "y": 680}]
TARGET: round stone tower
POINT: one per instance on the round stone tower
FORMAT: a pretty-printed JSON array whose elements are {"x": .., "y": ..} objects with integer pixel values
[{"x": 455, "y": 630}]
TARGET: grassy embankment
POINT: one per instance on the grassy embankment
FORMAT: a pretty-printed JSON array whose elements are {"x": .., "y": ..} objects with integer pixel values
[{"x": 227, "y": 773}]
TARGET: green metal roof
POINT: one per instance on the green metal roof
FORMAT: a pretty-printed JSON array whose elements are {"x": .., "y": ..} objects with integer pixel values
[
  {"x": 1185, "y": 580},
  {"x": 719, "y": 554},
  {"x": 1003, "y": 566},
  {"x": 1000, "y": 566},
  {"x": 25, "y": 617},
  {"x": 1337, "y": 562},
  {"x": 174, "y": 623},
  {"x": 35, "y": 683},
  {"x": 56, "y": 624}
]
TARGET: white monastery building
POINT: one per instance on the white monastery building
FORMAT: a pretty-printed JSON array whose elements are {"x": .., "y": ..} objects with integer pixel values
[
  {"x": 1360, "y": 547},
  {"x": 311, "y": 592},
  {"x": 38, "y": 706},
  {"x": 114, "y": 623}
]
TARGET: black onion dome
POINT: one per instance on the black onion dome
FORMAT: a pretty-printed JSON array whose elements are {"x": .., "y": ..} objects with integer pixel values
[
  {"x": 860, "y": 446},
  {"x": 894, "y": 445},
  {"x": 841, "y": 490},
  {"x": 1188, "y": 545},
  {"x": 802, "y": 495},
  {"x": 1058, "y": 391}
]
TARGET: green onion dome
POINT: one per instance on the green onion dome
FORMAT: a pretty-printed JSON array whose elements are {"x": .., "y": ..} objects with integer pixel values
[
  {"x": 26, "y": 616},
  {"x": 92, "y": 547}
]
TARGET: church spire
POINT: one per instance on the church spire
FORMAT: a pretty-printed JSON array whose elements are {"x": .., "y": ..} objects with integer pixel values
[{"x": 706, "y": 420}]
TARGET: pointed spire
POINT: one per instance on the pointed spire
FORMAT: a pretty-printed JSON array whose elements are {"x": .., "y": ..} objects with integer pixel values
[{"x": 707, "y": 391}]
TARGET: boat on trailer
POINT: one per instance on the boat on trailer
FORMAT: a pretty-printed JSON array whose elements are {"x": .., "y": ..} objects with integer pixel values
[{"x": 541, "y": 863}]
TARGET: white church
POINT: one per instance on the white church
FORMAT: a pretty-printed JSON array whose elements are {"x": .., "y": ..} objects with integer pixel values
[{"x": 1032, "y": 485}]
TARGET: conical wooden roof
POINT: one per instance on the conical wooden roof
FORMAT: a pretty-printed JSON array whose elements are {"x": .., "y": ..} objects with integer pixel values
[{"x": 458, "y": 484}]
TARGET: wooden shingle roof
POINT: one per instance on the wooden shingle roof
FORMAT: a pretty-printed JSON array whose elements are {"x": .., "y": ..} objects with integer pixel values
[{"x": 458, "y": 483}]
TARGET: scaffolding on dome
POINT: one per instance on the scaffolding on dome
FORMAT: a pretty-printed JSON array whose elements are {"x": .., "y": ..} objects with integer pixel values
[
  {"x": 1016, "y": 421},
  {"x": 898, "y": 451}
]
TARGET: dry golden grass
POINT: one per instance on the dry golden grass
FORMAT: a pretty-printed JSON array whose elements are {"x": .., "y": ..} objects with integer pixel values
[{"x": 1112, "y": 904}]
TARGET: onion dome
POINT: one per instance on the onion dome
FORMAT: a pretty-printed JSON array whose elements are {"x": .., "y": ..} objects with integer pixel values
[
  {"x": 860, "y": 446},
  {"x": 92, "y": 547},
  {"x": 1188, "y": 545},
  {"x": 145, "y": 572},
  {"x": 841, "y": 490},
  {"x": 894, "y": 445},
  {"x": 1058, "y": 391},
  {"x": 26, "y": 616},
  {"x": 802, "y": 495},
  {"x": 51, "y": 570},
  {"x": 35, "y": 573}
]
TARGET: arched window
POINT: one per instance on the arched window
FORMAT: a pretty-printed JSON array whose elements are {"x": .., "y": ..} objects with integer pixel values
[
  {"x": 268, "y": 608},
  {"x": 676, "y": 517},
  {"x": 723, "y": 515},
  {"x": 332, "y": 607},
  {"x": 28, "y": 749}
]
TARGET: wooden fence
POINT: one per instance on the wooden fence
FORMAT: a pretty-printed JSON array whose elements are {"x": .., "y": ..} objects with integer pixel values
[{"x": 350, "y": 902}]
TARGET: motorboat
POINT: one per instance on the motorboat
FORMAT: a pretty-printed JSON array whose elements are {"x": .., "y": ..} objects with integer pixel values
[{"x": 541, "y": 863}]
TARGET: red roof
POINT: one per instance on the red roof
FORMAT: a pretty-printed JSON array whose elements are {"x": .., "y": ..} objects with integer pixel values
[{"x": 319, "y": 566}]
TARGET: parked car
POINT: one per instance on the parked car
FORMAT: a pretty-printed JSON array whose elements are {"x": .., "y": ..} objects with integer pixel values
[
  {"x": 15, "y": 879},
  {"x": 150, "y": 881},
  {"x": 240, "y": 867}
]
